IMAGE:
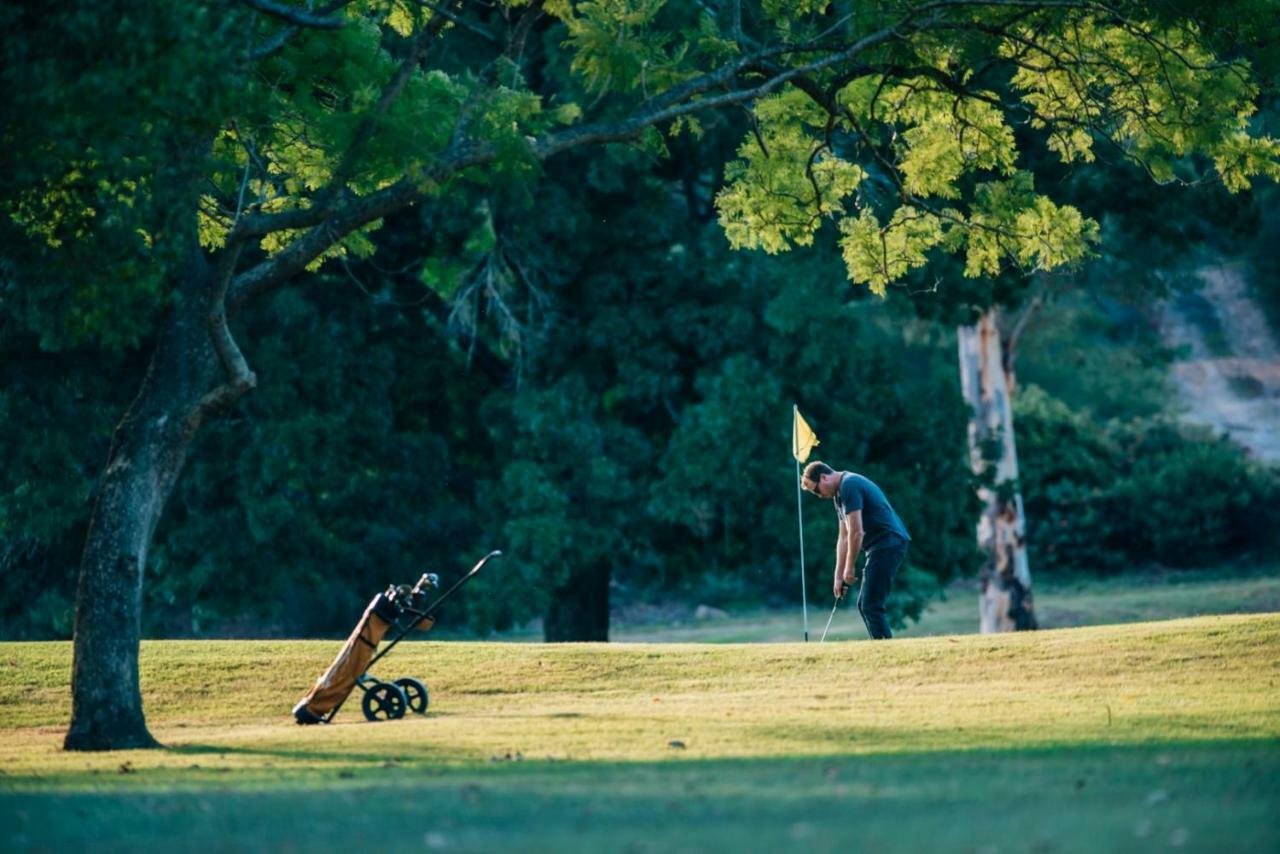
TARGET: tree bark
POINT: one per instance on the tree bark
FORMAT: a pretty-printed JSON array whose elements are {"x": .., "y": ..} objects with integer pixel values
[
  {"x": 1005, "y": 602},
  {"x": 579, "y": 608},
  {"x": 147, "y": 454}
]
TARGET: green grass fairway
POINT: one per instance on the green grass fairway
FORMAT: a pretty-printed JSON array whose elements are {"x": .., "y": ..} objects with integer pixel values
[
  {"x": 1061, "y": 603},
  {"x": 1134, "y": 737}
]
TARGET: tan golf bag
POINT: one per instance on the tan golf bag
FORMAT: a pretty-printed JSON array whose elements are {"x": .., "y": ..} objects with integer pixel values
[
  {"x": 336, "y": 683},
  {"x": 404, "y": 609}
]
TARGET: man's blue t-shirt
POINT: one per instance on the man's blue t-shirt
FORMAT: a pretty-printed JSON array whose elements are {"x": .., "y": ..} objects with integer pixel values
[{"x": 878, "y": 517}]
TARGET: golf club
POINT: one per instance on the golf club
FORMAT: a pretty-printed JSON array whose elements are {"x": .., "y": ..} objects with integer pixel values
[
  {"x": 431, "y": 609},
  {"x": 833, "y": 613}
]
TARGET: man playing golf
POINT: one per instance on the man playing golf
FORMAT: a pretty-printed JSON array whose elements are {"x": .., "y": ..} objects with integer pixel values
[{"x": 867, "y": 521}]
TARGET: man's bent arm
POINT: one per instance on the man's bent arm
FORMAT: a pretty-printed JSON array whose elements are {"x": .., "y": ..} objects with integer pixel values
[{"x": 853, "y": 542}]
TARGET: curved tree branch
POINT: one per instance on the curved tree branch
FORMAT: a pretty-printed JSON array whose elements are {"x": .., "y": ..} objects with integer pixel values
[
  {"x": 240, "y": 380},
  {"x": 285, "y": 34},
  {"x": 295, "y": 16}
]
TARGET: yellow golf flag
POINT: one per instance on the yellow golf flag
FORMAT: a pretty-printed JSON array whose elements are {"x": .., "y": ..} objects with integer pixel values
[{"x": 802, "y": 437}]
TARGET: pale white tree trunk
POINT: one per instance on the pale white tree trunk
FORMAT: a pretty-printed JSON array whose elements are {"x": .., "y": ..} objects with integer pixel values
[{"x": 1005, "y": 602}]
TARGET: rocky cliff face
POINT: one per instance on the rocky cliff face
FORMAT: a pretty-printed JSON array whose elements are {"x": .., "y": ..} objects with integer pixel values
[{"x": 1228, "y": 369}]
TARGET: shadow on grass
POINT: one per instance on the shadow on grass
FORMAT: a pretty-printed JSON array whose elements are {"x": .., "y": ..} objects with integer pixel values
[
  {"x": 292, "y": 753},
  {"x": 1194, "y": 795}
]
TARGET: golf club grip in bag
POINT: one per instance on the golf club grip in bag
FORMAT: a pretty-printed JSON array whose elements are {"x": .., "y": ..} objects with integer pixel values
[{"x": 338, "y": 681}]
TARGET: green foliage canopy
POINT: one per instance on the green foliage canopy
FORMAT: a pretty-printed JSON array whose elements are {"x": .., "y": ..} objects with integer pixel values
[{"x": 895, "y": 120}]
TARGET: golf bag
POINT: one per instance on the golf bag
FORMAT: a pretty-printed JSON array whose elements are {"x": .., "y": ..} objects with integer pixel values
[
  {"x": 338, "y": 681},
  {"x": 403, "y": 609}
]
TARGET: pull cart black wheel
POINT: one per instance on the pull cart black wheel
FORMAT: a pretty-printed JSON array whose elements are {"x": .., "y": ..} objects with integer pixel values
[
  {"x": 385, "y": 701},
  {"x": 416, "y": 693}
]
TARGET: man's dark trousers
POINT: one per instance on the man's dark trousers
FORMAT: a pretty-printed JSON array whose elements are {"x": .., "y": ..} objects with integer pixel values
[{"x": 882, "y": 565}]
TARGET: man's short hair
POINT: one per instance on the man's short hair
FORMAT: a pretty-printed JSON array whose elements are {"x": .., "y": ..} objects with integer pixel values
[{"x": 817, "y": 469}]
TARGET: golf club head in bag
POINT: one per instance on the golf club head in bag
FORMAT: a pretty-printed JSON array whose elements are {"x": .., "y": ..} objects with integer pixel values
[{"x": 413, "y": 598}]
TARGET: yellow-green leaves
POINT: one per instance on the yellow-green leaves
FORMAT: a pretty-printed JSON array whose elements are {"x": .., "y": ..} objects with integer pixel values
[
  {"x": 356, "y": 244},
  {"x": 1158, "y": 92},
  {"x": 1239, "y": 158},
  {"x": 876, "y": 255},
  {"x": 787, "y": 180},
  {"x": 943, "y": 135},
  {"x": 946, "y": 136},
  {"x": 617, "y": 46},
  {"x": 403, "y": 16},
  {"x": 1050, "y": 235},
  {"x": 686, "y": 124},
  {"x": 942, "y": 149},
  {"x": 211, "y": 228},
  {"x": 61, "y": 212},
  {"x": 1009, "y": 221},
  {"x": 566, "y": 114}
]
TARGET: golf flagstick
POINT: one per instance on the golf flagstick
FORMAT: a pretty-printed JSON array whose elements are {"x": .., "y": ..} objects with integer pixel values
[
  {"x": 833, "y": 613},
  {"x": 807, "y": 439},
  {"x": 804, "y": 593}
]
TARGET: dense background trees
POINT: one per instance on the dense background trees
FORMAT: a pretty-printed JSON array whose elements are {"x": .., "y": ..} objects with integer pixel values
[{"x": 641, "y": 435}]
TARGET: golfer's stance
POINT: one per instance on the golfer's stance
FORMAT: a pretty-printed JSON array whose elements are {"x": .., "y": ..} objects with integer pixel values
[{"x": 867, "y": 521}]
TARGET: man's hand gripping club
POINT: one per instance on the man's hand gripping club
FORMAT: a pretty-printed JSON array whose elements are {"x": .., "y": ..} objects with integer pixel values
[{"x": 844, "y": 580}]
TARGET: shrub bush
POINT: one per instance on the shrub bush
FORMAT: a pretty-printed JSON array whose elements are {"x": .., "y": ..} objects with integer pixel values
[{"x": 1105, "y": 496}]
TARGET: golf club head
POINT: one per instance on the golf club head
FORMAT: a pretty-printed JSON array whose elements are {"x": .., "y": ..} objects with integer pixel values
[
  {"x": 484, "y": 560},
  {"x": 428, "y": 581}
]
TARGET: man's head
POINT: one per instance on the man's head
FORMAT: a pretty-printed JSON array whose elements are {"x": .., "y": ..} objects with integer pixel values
[{"x": 820, "y": 479}]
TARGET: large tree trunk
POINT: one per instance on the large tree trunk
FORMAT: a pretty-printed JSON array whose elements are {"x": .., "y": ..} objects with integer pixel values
[
  {"x": 579, "y": 609},
  {"x": 147, "y": 454},
  {"x": 1005, "y": 602}
]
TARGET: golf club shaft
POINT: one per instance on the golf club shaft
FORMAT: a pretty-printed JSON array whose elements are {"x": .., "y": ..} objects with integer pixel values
[
  {"x": 431, "y": 609},
  {"x": 833, "y": 613}
]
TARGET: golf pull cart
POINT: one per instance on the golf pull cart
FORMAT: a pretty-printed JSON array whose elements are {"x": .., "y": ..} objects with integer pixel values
[{"x": 400, "y": 609}]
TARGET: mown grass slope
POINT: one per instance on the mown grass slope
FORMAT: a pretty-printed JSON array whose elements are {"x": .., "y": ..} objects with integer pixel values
[{"x": 1083, "y": 739}]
